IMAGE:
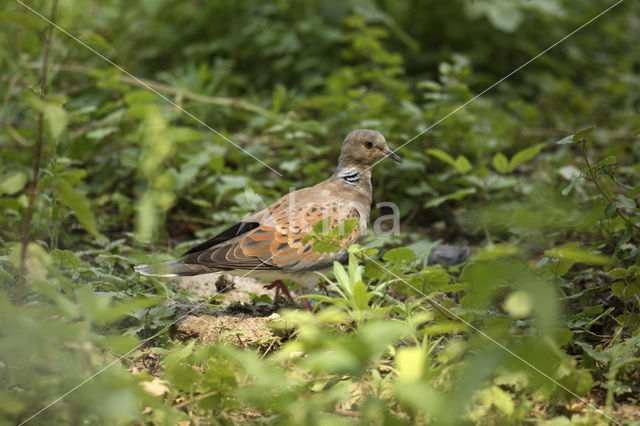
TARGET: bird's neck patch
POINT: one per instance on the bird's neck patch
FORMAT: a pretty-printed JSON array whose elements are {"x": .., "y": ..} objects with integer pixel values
[{"x": 349, "y": 176}]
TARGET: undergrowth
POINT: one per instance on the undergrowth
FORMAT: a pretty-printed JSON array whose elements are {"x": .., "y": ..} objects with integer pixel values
[{"x": 539, "y": 178}]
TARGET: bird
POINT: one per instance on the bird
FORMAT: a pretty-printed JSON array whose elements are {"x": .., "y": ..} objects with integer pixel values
[{"x": 270, "y": 245}]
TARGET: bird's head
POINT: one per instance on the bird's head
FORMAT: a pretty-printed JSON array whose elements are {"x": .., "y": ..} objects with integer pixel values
[{"x": 363, "y": 148}]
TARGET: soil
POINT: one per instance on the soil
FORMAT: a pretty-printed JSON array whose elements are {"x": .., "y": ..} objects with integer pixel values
[
  {"x": 240, "y": 322},
  {"x": 241, "y": 331},
  {"x": 234, "y": 289}
]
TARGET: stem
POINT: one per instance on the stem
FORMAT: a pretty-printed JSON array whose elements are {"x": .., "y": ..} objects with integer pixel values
[
  {"x": 594, "y": 179},
  {"x": 36, "y": 163},
  {"x": 169, "y": 90},
  {"x": 196, "y": 399}
]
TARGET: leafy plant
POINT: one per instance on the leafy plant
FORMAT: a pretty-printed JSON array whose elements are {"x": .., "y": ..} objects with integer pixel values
[{"x": 99, "y": 173}]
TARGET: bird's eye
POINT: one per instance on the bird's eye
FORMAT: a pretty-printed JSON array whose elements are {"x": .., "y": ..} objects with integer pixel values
[{"x": 368, "y": 144}]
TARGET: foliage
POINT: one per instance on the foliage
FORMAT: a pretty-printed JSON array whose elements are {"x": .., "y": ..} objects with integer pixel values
[{"x": 538, "y": 174}]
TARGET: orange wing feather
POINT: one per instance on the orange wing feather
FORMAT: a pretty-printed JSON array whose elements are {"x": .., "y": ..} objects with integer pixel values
[
  {"x": 278, "y": 240},
  {"x": 274, "y": 238}
]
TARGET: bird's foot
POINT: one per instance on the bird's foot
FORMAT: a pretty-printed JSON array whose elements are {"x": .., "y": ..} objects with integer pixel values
[
  {"x": 306, "y": 305},
  {"x": 281, "y": 287}
]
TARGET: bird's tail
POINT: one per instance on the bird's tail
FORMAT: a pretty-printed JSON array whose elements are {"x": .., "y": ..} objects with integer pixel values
[{"x": 172, "y": 268}]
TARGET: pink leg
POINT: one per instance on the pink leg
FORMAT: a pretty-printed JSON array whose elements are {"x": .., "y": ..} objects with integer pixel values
[
  {"x": 305, "y": 304},
  {"x": 280, "y": 286}
]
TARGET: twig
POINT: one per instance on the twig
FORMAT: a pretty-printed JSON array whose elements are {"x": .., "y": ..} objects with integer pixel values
[
  {"x": 36, "y": 162},
  {"x": 614, "y": 134},
  {"x": 196, "y": 399},
  {"x": 268, "y": 349},
  {"x": 593, "y": 178},
  {"x": 239, "y": 339},
  {"x": 165, "y": 88}
]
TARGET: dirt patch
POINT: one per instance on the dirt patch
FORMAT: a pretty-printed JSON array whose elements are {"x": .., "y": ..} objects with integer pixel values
[
  {"x": 239, "y": 321},
  {"x": 233, "y": 289},
  {"x": 241, "y": 331},
  {"x": 191, "y": 308}
]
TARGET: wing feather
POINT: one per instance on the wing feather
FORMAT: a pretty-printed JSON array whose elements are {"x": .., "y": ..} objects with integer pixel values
[{"x": 272, "y": 239}]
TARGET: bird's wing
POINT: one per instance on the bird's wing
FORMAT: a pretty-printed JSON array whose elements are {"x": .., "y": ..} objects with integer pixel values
[{"x": 272, "y": 238}]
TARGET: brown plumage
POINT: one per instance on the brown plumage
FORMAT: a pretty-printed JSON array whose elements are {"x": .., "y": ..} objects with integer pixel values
[{"x": 269, "y": 244}]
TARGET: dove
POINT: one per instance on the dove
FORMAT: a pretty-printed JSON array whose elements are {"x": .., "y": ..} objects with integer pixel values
[{"x": 270, "y": 245}]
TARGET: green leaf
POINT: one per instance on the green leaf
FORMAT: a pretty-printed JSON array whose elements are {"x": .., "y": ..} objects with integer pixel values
[
  {"x": 497, "y": 397},
  {"x": 410, "y": 363},
  {"x": 618, "y": 273},
  {"x": 496, "y": 251},
  {"x": 79, "y": 204},
  {"x": 445, "y": 327},
  {"x": 139, "y": 97},
  {"x": 567, "y": 140},
  {"x": 441, "y": 155},
  {"x": 65, "y": 259},
  {"x": 183, "y": 377},
  {"x": 589, "y": 311},
  {"x": 27, "y": 20},
  {"x": 10, "y": 404},
  {"x": 325, "y": 246},
  {"x": 342, "y": 276},
  {"x": 360, "y": 295},
  {"x": 53, "y": 112},
  {"x": 461, "y": 193},
  {"x": 624, "y": 203},
  {"x": 462, "y": 164},
  {"x": 519, "y": 304},
  {"x": 12, "y": 182},
  {"x": 626, "y": 290},
  {"x": 500, "y": 163},
  {"x": 596, "y": 355},
  {"x": 101, "y": 132},
  {"x": 607, "y": 161},
  {"x": 95, "y": 40},
  {"x": 161, "y": 315},
  {"x": 567, "y": 190},
  {"x": 322, "y": 227},
  {"x": 558, "y": 268},
  {"x": 596, "y": 213},
  {"x": 354, "y": 268},
  {"x": 525, "y": 155},
  {"x": 582, "y": 134},
  {"x": 435, "y": 278},
  {"x": 399, "y": 255},
  {"x": 347, "y": 227},
  {"x": 573, "y": 253}
]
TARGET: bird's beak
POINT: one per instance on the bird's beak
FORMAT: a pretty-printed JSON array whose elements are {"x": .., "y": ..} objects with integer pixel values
[{"x": 392, "y": 155}]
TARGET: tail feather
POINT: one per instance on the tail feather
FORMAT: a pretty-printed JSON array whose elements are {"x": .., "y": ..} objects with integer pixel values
[{"x": 172, "y": 268}]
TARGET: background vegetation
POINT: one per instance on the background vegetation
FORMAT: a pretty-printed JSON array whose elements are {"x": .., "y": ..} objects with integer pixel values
[{"x": 548, "y": 202}]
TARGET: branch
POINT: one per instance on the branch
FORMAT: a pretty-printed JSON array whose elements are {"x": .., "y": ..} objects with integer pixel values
[
  {"x": 593, "y": 178},
  {"x": 165, "y": 88},
  {"x": 46, "y": 38},
  {"x": 559, "y": 133}
]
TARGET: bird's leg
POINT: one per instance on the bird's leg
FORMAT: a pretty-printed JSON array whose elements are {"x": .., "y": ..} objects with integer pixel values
[
  {"x": 280, "y": 286},
  {"x": 306, "y": 305}
]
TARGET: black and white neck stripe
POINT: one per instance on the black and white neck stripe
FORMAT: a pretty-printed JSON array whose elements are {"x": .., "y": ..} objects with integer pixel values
[{"x": 349, "y": 176}]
